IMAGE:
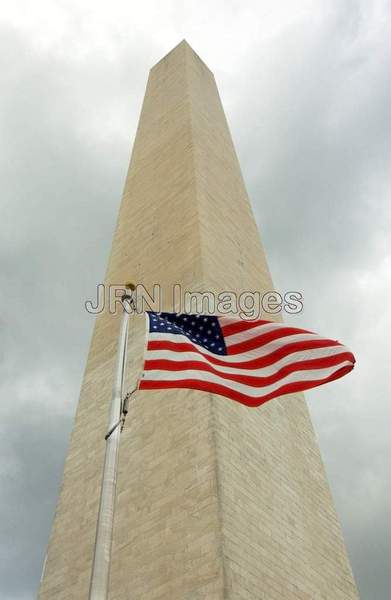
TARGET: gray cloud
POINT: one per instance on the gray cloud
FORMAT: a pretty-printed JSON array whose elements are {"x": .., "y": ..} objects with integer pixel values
[{"x": 309, "y": 111}]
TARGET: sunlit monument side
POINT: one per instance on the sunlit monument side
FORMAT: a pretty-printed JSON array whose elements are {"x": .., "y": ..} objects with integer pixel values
[{"x": 214, "y": 500}]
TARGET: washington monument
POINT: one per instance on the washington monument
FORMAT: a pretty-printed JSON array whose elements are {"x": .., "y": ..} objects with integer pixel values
[{"x": 215, "y": 500}]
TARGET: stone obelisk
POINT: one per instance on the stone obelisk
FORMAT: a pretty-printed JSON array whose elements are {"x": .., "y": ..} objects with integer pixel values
[{"x": 215, "y": 500}]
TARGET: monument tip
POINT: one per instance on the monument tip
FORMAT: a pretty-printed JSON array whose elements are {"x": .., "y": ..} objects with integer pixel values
[{"x": 184, "y": 48}]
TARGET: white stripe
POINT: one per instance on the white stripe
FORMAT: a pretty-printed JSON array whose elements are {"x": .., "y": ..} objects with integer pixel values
[
  {"x": 254, "y": 392},
  {"x": 249, "y": 355},
  {"x": 226, "y": 320},
  {"x": 249, "y": 334},
  {"x": 261, "y": 372}
]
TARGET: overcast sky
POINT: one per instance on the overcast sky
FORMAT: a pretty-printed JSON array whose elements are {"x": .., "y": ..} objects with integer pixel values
[{"x": 306, "y": 86}]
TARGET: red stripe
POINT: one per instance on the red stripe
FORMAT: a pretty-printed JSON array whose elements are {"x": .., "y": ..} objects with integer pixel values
[
  {"x": 255, "y": 363},
  {"x": 222, "y": 390},
  {"x": 264, "y": 338},
  {"x": 304, "y": 365},
  {"x": 239, "y": 326}
]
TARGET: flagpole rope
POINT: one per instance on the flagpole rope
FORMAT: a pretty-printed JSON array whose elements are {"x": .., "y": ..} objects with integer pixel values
[{"x": 125, "y": 404}]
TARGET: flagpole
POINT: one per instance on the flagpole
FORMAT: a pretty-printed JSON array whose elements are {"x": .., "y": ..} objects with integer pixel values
[{"x": 99, "y": 583}]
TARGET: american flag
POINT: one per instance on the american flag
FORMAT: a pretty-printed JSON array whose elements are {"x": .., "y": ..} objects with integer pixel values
[{"x": 248, "y": 361}]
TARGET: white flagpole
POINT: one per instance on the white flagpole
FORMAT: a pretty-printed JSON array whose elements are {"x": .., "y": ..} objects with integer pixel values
[{"x": 99, "y": 583}]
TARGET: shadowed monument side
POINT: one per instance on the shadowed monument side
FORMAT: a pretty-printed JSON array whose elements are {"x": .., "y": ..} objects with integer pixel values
[{"x": 214, "y": 500}]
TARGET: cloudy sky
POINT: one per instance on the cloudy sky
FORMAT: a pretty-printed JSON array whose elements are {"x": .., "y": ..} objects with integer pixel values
[{"x": 306, "y": 87}]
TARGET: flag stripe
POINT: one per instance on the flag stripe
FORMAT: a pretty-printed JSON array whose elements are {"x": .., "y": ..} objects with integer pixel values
[
  {"x": 234, "y": 394},
  {"x": 266, "y": 348},
  {"x": 178, "y": 357},
  {"x": 251, "y": 380},
  {"x": 234, "y": 326},
  {"x": 248, "y": 334},
  {"x": 263, "y": 339},
  {"x": 263, "y": 360},
  {"x": 315, "y": 375}
]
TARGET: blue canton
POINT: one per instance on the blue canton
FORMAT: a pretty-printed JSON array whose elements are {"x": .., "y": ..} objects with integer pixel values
[{"x": 205, "y": 331}]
